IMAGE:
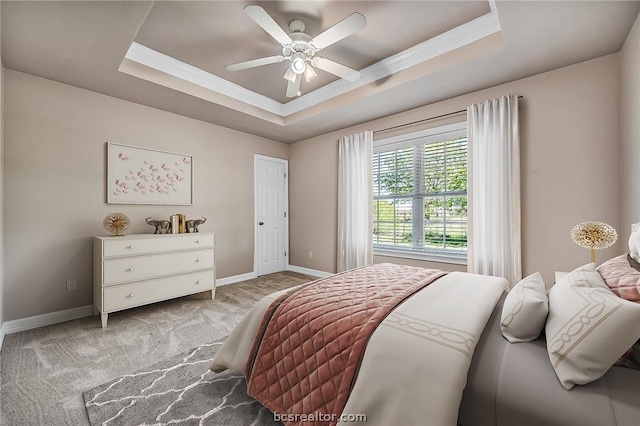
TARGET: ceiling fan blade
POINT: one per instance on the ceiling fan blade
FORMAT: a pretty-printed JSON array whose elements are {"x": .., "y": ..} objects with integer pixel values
[
  {"x": 342, "y": 29},
  {"x": 267, "y": 23},
  {"x": 336, "y": 69},
  {"x": 255, "y": 63},
  {"x": 293, "y": 88}
]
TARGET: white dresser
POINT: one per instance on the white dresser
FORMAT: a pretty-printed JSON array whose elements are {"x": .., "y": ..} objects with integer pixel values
[{"x": 135, "y": 270}]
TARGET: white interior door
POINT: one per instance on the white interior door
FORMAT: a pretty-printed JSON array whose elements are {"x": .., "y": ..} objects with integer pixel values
[{"x": 271, "y": 214}]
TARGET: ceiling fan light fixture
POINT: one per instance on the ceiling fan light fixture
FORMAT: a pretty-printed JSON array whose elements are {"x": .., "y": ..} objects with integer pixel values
[
  {"x": 290, "y": 75},
  {"x": 300, "y": 48},
  {"x": 298, "y": 62},
  {"x": 309, "y": 74}
]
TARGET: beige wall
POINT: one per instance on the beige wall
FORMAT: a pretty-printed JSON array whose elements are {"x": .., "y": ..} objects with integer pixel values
[
  {"x": 54, "y": 181},
  {"x": 630, "y": 129},
  {"x": 570, "y": 157},
  {"x": 54, "y": 172},
  {"x": 1, "y": 196}
]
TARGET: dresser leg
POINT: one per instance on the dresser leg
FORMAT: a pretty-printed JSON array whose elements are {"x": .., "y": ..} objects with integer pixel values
[
  {"x": 104, "y": 317},
  {"x": 96, "y": 311},
  {"x": 213, "y": 294}
]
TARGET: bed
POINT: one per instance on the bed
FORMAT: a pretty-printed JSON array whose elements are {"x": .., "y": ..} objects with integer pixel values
[
  {"x": 420, "y": 367},
  {"x": 515, "y": 384}
]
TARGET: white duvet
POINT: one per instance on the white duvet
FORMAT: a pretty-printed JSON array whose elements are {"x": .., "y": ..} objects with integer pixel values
[{"x": 415, "y": 366}]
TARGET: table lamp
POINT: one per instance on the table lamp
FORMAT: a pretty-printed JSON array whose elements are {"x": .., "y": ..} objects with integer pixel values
[{"x": 594, "y": 235}]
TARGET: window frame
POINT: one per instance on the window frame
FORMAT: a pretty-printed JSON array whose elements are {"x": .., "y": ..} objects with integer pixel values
[{"x": 435, "y": 134}]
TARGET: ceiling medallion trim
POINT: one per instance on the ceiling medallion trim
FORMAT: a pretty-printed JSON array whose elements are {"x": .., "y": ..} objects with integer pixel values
[{"x": 453, "y": 39}]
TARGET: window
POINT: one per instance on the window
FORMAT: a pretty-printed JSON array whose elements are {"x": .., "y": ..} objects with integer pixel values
[{"x": 420, "y": 195}]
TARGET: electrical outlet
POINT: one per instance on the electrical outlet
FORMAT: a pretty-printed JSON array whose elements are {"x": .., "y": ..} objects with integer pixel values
[
  {"x": 71, "y": 285},
  {"x": 310, "y": 255}
]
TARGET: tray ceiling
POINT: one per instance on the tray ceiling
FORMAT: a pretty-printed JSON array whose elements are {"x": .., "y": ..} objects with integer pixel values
[
  {"x": 171, "y": 55},
  {"x": 212, "y": 35}
]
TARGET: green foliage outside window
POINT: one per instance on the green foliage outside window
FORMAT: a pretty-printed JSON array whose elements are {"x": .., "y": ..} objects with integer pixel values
[{"x": 443, "y": 170}]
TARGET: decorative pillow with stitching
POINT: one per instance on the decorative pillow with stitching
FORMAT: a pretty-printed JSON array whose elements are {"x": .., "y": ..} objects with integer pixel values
[
  {"x": 631, "y": 358},
  {"x": 525, "y": 310},
  {"x": 621, "y": 278},
  {"x": 588, "y": 327}
]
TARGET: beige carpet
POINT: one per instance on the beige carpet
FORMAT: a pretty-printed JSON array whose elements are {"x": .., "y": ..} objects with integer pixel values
[{"x": 45, "y": 370}]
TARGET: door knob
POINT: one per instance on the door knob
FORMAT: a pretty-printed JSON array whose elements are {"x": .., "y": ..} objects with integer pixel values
[{"x": 260, "y": 223}]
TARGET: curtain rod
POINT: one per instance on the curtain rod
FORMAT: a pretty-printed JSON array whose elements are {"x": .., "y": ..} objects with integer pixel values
[{"x": 426, "y": 119}]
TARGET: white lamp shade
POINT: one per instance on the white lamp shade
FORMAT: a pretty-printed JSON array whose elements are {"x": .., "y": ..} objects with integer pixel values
[
  {"x": 309, "y": 74},
  {"x": 298, "y": 63},
  {"x": 290, "y": 75}
]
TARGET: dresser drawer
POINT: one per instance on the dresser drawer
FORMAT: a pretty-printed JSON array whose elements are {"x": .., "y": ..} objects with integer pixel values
[
  {"x": 155, "y": 244},
  {"x": 135, "y": 294},
  {"x": 128, "y": 269}
]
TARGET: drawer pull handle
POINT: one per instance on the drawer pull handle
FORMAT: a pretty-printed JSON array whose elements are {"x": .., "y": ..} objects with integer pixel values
[
  {"x": 198, "y": 282},
  {"x": 130, "y": 270},
  {"x": 197, "y": 241},
  {"x": 129, "y": 247},
  {"x": 131, "y": 295},
  {"x": 197, "y": 260}
]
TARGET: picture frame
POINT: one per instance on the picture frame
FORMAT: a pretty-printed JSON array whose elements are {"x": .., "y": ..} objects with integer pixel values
[{"x": 137, "y": 175}]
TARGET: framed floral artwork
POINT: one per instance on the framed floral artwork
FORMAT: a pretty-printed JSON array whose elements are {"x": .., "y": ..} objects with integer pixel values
[{"x": 138, "y": 175}]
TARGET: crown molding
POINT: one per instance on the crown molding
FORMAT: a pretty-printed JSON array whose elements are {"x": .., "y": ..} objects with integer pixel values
[
  {"x": 448, "y": 41},
  {"x": 453, "y": 39},
  {"x": 171, "y": 66}
]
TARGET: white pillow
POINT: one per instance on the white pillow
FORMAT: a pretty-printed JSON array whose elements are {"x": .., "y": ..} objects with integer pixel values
[
  {"x": 588, "y": 327},
  {"x": 525, "y": 310},
  {"x": 634, "y": 242}
]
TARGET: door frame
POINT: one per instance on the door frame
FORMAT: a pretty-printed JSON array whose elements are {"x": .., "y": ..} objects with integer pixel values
[{"x": 257, "y": 157}]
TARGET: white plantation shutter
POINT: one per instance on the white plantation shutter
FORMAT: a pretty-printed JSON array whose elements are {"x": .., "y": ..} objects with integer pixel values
[{"x": 420, "y": 193}]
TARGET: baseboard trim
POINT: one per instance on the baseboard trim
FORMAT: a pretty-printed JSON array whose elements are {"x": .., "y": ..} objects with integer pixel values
[
  {"x": 235, "y": 279},
  {"x": 42, "y": 320},
  {"x": 307, "y": 271},
  {"x": 220, "y": 282},
  {"x": 1, "y": 336},
  {"x": 36, "y": 321}
]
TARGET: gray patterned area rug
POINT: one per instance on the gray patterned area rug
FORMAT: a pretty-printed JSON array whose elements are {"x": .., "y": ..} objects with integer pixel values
[{"x": 181, "y": 390}]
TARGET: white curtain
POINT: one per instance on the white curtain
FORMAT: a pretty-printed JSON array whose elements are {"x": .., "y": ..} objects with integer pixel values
[
  {"x": 355, "y": 201},
  {"x": 494, "y": 189}
]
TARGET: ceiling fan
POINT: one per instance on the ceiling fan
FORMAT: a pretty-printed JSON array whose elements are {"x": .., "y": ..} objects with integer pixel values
[{"x": 300, "y": 48}]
